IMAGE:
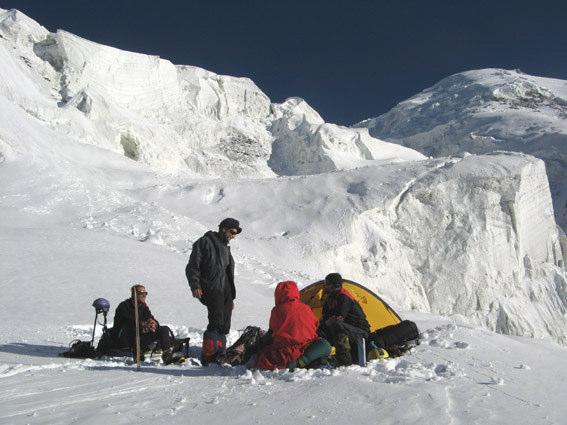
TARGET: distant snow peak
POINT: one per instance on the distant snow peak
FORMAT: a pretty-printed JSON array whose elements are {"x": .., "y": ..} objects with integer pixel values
[{"x": 483, "y": 111}]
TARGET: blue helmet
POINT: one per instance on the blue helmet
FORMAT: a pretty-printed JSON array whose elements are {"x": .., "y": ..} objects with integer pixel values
[{"x": 101, "y": 305}]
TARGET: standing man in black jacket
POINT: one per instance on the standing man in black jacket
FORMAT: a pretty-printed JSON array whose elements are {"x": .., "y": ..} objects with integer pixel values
[
  {"x": 210, "y": 273},
  {"x": 343, "y": 321}
]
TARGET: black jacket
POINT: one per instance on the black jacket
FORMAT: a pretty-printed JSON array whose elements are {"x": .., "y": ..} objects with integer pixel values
[
  {"x": 341, "y": 304},
  {"x": 125, "y": 318},
  {"x": 211, "y": 266}
]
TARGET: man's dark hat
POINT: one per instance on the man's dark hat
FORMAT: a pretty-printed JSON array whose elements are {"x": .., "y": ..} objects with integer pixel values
[
  {"x": 334, "y": 280},
  {"x": 230, "y": 223}
]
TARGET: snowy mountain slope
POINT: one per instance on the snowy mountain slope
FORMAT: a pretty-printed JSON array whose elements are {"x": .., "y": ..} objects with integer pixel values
[
  {"x": 399, "y": 227},
  {"x": 53, "y": 270},
  {"x": 172, "y": 118},
  {"x": 472, "y": 238},
  {"x": 485, "y": 110}
]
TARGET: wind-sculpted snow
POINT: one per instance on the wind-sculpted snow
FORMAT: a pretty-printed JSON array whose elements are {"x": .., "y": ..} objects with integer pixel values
[
  {"x": 175, "y": 119},
  {"x": 483, "y": 111}
]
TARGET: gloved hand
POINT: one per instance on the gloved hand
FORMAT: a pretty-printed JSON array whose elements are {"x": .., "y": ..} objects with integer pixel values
[{"x": 149, "y": 325}]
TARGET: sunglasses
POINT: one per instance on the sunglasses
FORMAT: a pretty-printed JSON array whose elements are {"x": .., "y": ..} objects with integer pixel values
[
  {"x": 233, "y": 232},
  {"x": 141, "y": 293}
]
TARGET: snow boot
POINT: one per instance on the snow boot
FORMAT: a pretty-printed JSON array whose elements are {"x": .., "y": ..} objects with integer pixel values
[
  {"x": 214, "y": 344},
  {"x": 168, "y": 357},
  {"x": 376, "y": 353}
]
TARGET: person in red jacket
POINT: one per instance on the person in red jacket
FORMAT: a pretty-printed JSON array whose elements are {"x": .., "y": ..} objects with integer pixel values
[{"x": 293, "y": 327}]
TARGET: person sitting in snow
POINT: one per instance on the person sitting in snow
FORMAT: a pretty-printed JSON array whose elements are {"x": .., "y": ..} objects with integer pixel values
[
  {"x": 124, "y": 328},
  {"x": 293, "y": 328},
  {"x": 343, "y": 321}
]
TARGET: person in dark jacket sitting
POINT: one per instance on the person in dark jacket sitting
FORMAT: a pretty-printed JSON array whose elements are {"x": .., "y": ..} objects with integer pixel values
[
  {"x": 342, "y": 321},
  {"x": 210, "y": 273},
  {"x": 124, "y": 328}
]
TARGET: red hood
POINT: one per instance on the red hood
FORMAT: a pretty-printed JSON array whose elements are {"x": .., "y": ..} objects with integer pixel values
[{"x": 286, "y": 291}]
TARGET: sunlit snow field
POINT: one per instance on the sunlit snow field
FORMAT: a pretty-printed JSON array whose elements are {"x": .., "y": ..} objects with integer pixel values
[{"x": 104, "y": 183}]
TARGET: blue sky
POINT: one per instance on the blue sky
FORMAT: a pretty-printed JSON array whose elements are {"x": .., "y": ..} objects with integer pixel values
[{"x": 350, "y": 60}]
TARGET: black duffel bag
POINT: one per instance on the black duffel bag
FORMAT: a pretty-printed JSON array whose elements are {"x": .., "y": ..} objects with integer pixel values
[{"x": 396, "y": 339}]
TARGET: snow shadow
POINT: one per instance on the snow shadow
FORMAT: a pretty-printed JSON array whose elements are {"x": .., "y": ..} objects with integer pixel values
[
  {"x": 32, "y": 349},
  {"x": 190, "y": 372}
]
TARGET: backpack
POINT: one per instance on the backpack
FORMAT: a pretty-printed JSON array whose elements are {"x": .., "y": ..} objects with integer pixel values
[
  {"x": 106, "y": 343},
  {"x": 80, "y": 350},
  {"x": 396, "y": 339},
  {"x": 249, "y": 343}
]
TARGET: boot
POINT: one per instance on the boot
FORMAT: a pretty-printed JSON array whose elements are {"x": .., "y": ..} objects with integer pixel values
[
  {"x": 221, "y": 345},
  {"x": 343, "y": 356},
  {"x": 212, "y": 345},
  {"x": 168, "y": 358},
  {"x": 208, "y": 351}
]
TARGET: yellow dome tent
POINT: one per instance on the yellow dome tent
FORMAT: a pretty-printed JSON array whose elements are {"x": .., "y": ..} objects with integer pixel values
[{"x": 378, "y": 313}]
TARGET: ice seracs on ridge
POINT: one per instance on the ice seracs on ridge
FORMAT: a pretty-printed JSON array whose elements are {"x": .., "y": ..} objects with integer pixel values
[{"x": 183, "y": 119}]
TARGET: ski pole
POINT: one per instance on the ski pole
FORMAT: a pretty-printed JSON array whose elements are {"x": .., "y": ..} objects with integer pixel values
[
  {"x": 136, "y": 316},
  {"x": 94, "y": 328}
]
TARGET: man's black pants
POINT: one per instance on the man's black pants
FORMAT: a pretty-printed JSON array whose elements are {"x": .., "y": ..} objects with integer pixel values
[
  {"x": 219, "y": 308},
  {"x": 127, "y": 338},
  {"x": 333, "y": 328}
]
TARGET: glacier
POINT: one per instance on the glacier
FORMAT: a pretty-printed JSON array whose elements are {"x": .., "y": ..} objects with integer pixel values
[{"x": 100, "y": 140}]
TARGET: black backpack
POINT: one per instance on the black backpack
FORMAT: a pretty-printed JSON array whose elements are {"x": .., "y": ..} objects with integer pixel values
[
  {"x": 85, "y": 349},
  {"x": 106, "y": 343},
  {"x": 396, "y": 339},
  {"x": 249, "y": 343},
  {"x": 80, "y": 350}
]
